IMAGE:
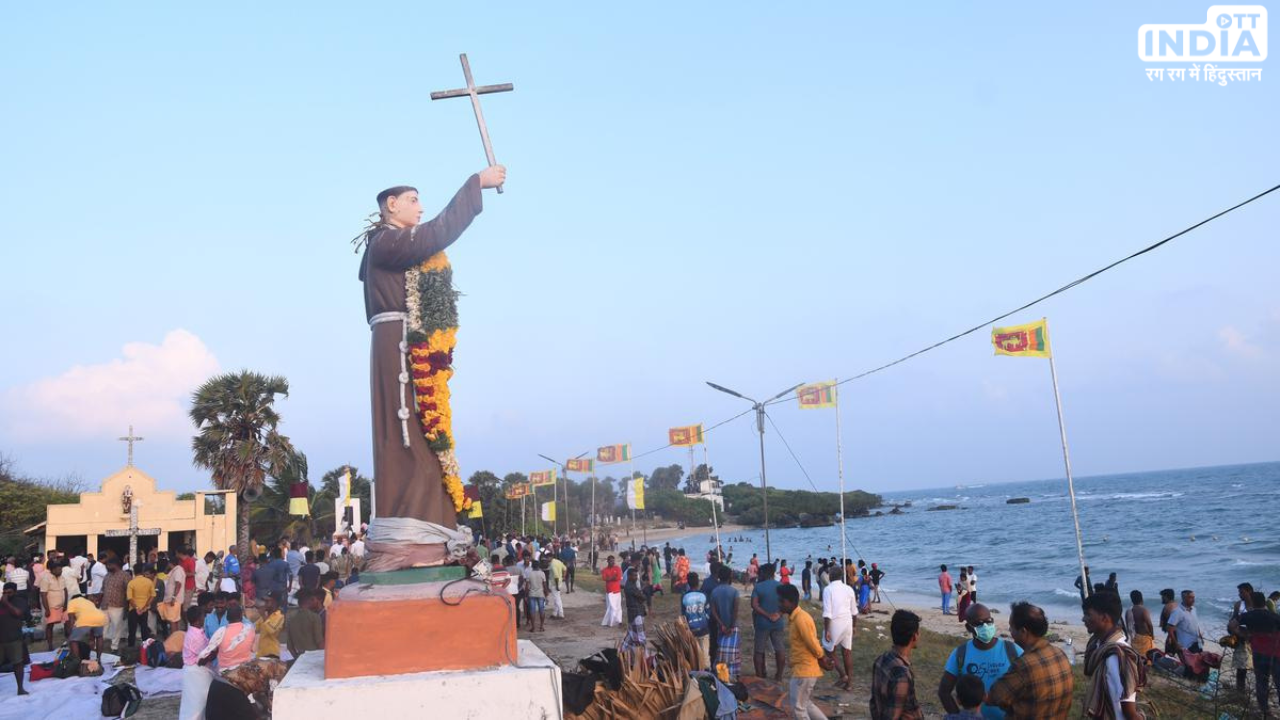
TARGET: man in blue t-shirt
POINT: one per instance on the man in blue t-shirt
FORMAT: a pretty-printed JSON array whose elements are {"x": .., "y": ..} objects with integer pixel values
[
  {"x": 986, "y": 656},
  {"x": 569, "y": 556},
  {"x": 693, "y": 604},
  {"x": 724, "y": 614},
  {"x": 769, "y": 623},
  {"x": 707, "y": 587}
]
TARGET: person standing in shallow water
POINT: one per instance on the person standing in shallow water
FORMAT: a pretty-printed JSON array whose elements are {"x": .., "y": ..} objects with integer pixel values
[{"x": 945, "y": 585}]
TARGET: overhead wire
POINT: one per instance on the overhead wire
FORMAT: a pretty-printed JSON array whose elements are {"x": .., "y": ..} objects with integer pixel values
[
  {"x": 843, "y": 530},
  {"x": 1046, "y": 296}
]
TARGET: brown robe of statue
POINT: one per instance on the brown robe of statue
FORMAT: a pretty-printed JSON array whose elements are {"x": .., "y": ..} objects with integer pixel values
[{"x": 407, "y": 480}]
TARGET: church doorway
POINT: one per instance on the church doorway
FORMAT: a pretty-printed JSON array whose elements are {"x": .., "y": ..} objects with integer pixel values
[{"x": 120, "y": 545}]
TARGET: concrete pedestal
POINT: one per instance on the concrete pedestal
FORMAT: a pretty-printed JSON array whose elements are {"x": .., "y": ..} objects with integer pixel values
[
  {"x": 530, "y": 689},
  {"x": 416, "y": 621}
]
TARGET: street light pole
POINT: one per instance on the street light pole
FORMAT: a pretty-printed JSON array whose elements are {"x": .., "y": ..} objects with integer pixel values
[{"x": 764, "y": 485}]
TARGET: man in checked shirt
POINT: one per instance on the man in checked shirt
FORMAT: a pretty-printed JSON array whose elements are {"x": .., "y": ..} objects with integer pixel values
[
  {"x": 893, "y": 683},
  {"x": 1038, "y": 685}
]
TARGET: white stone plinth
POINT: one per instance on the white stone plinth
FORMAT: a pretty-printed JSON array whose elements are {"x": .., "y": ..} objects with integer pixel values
[{"x": 530, "y": 690}]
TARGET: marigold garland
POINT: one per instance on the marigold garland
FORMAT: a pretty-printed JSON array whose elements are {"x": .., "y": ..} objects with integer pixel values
[{"x": 433, "y": 333}]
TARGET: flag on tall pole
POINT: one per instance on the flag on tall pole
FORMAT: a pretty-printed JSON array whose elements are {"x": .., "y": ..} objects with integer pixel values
[
  {"x": 817, "y": 396},
  {"x": 585, "y": 465},
  {"x": 635, "y": 493},
  {"x": 686, "y": 436},
  {"x": 1032, "y": 340},
  {"x": 542, "y": 478},
  {"x": 549, "y": 512},
  {"x": 476, "y": 511},
  {"x": 614, "y": 454}
]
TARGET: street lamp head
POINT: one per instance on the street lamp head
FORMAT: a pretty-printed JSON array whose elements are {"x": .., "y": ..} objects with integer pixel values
[
  {"x": 788, "y": 391},
  {"x": 723, "y": 389}
]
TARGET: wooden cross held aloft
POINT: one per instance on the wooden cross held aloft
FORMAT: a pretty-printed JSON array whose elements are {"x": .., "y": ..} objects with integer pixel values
[{"x": 474, "y": 93}]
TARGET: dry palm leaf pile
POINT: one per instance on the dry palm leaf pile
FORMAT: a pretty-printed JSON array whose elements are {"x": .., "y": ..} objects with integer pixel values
[{"x": 653, "y": 683}]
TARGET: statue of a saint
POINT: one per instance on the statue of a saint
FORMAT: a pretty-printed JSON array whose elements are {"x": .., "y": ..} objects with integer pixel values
[{"x": 409, "y": 302}]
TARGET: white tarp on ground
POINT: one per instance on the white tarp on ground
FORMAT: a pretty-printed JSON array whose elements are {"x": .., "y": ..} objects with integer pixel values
[
  {"x": 52, "y": 698},
  {"x": 157, "y": 681}
]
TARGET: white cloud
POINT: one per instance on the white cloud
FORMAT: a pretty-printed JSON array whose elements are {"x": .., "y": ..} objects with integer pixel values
[
  {"x": 149, "y": 386},
  {"x": 1236, "y": 343}
]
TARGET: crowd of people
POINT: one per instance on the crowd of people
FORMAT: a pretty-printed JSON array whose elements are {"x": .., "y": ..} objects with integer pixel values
[
  {"x": 229, "y": 614},
  {"x": 986, "y": 676},
  {"x": 225, "y": 614}
]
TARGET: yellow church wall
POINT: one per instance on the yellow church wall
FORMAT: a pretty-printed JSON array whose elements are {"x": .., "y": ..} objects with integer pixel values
[{"x": 100, "y": 511}]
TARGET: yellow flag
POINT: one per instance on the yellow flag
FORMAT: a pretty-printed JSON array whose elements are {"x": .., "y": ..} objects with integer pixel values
[
  {"x": 1030, "y": 340},
  {"x": 635, "y": 494},
  {"x": 548, "y": 512},
  {"x": 475, "y": 510}
]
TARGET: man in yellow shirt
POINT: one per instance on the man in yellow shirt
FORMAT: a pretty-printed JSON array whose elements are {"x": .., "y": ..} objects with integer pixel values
[
  {"x": 556, "y": 570},
  {"x": 805, "y": 654},
  {"x": 85, "y": 623},
  {"x": 140, "y": 594},
  {"x": 55, "y": 589},
  {"x": 268, "y": 628}
]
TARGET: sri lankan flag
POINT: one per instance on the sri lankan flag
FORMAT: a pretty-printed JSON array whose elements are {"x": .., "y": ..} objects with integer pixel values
[
  {"x": 542, "y": 478},
  {"x": 817, "y": 396},
  {"x": 518, "y": 491},
  {"x": 1030, "y": 340},
  {"x": 687, "y": 436},
  {"x": 580, "y": 465},
  {"x": 614, "y": 453}
]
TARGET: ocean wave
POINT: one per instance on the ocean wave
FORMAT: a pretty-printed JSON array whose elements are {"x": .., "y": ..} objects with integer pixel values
[
  {"x": 1246, "y": 563},
  {"x": 1067, "y": 593},
  {"x": 1131, "y": 496}
]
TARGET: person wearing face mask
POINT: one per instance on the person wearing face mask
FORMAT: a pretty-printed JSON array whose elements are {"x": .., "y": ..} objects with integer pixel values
[{"x": 986, "y": 656}]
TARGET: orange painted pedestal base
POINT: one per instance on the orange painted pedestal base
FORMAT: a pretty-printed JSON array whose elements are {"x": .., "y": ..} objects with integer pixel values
[{"x": 399, "y": 629}]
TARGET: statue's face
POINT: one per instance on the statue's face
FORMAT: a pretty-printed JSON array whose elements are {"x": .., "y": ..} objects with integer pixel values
[{"x": 404, "y": 210}]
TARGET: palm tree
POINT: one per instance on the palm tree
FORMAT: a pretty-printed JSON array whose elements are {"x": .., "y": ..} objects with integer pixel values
[{"x": 238, "y": 440}]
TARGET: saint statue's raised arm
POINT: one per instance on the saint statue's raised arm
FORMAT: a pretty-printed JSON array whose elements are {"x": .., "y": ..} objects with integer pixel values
[{"x": 412, "y": 312}]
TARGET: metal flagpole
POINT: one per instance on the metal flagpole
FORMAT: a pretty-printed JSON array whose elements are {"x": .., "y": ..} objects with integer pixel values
[
  {"x": 844, "y": 553},
  {"x": 631, "y": 478},
  {"x": 593, "y": 517},
  {"x": 706, "y": 460},
  {"x": 1071, "y": 488}
]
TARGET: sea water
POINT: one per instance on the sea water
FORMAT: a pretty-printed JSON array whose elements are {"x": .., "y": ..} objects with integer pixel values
[{"x": 1202, "y": 529}]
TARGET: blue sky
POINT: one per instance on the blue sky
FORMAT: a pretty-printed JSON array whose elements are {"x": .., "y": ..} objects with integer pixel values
[{"x": 752, "y": 194}]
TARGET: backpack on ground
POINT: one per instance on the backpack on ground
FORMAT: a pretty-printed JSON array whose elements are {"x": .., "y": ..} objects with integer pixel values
[
  {"x": 155, "y": 655},
  {"x": 121, "y": 701},
  {"x": 66, "y": 665}
]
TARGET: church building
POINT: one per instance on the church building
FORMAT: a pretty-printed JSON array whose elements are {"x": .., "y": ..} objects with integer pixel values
[{"x": 130, "y": 504}]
